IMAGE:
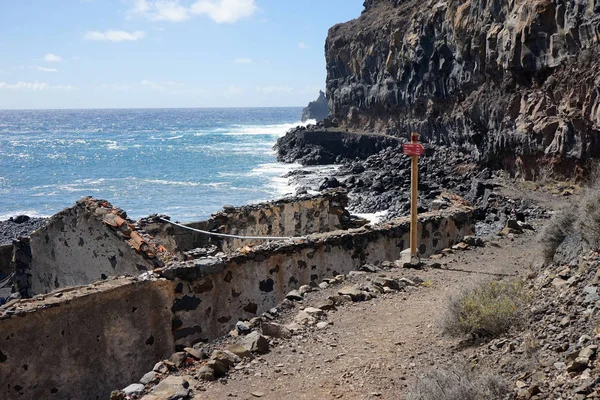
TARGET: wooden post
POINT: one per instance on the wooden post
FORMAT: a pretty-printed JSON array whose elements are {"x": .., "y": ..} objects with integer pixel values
[{"x": 414, "y": 185}]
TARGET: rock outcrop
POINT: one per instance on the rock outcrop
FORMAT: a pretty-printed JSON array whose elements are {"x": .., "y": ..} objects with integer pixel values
[
  {"x": 515, "y": 83},
  {"x": 317, "y": 110},
  {"x": 316, "y": 145}
]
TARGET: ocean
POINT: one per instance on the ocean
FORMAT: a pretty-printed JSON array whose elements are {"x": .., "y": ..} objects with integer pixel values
[{"x": 186, "y": 163}]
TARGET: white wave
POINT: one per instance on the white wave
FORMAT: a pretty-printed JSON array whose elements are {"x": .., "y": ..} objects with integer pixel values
[
  {"x": 273, "y": 130},
  {"x": 114, "y": 145},
  {"x": 30, "y": 212},
  {"x": 374, "y": 218},
  {"x": 166, "y": 138},
  {"x": 173, "y": 183},
  {"x": 273, "y": 169}
]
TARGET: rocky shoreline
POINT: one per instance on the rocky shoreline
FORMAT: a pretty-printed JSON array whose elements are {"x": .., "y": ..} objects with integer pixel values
[
  {"x": 19, "y": 226},
  {"x": 376, "y": 174}
]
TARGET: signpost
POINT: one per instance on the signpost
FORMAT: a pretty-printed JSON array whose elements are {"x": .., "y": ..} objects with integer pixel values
[{"x": 413, "y": 149}]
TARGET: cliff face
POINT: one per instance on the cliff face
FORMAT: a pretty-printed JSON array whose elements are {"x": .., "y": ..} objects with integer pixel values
[
  {"x": 516, "y": 83},
  {"x": 317, "y": 109}
]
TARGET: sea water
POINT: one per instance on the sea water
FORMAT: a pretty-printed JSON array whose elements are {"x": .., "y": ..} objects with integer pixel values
[{"x": 186, "y": 163}]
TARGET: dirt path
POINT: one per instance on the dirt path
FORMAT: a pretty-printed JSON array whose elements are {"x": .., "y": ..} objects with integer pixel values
[{"x": 374, "y": 349}]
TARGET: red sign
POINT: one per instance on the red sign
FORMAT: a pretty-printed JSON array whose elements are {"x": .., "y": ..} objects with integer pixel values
[{"x": 413, "y": 149}]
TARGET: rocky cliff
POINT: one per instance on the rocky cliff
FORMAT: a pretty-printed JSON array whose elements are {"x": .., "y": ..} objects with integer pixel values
[
  {"x": 317, "y": 110},
  {"x": 514, "y": 83}
]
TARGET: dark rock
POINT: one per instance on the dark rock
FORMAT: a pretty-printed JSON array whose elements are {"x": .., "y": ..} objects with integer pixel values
[
  {"x": 499, "y": 105},
  {"x": 243, "y": 328},
  {"x": 19, "y": 219},
  {"x": 317, "y": 110},
  {"x": 294, "y": 295}
]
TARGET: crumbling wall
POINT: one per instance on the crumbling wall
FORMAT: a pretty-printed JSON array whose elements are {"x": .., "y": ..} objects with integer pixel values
[
  {"x": 298, "y": 216},
  {"x": 82, "y": 342},
  {"x": 80, "y": 245},
  {"x": 212, "y": 294},
  {"x": 284, "y": 218}
]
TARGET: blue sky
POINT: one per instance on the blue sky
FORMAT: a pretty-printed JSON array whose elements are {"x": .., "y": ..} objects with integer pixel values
[{"x": 165, "y": 53}]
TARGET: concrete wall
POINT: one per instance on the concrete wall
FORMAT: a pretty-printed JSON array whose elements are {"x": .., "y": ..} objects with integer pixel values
[
  {"x": 213, "y": 294},
  {"x": 76, "y": 247},
  {"x": 80, "y": 343},
  {"x": 284, "y": 218},
  {"x": 86, "y": 342},
  {"x": 297, "y": 216}
]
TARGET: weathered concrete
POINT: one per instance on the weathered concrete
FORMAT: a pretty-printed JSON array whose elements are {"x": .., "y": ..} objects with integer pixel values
[
  {"x": 212, "y": 294},
  {"x": 80, "y": 343},
  {"x": 79, "y": 246},
  {"x": 296, "y": 216},
  {"x": 85, "y": 342}
]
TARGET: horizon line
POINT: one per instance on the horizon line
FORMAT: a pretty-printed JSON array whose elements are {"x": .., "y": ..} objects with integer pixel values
[{"x": 141, "y": 108}]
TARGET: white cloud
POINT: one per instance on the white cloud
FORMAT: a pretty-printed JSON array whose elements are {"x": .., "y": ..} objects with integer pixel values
[
  {"x": 114, "y": 86},
  {"x": 243, "y": 61},
  {"x": 49, "y": 57},
  {"x": 274, "y": 89},
  {"x": 35, "y": 86},
  {"x": 161, "y": 10},
  {"x": 302, "y": 45},
  {"x": 68, "y": 88},
  {"x": 220, "y": 11},
  {"x": 161, "y": 85},
  {"x": 44, "y": 69},
  {"x": 115, "y": 36},
  {"x": 224, "y": 11},
  {"x": 234, "y": 90}
]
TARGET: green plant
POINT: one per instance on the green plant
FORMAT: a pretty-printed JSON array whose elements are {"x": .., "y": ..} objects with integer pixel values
[
  {"x": 458, "y": 383},
  {"x": 487, "y": 310}
]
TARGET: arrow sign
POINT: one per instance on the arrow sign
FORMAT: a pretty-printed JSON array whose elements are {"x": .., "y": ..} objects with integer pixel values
[{"x": 413, "y": 149}]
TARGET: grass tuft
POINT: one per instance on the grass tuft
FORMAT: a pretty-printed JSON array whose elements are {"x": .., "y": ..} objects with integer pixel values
[
  {"x": 487, "y": 310},
  {"x": 458, "y": 384}
]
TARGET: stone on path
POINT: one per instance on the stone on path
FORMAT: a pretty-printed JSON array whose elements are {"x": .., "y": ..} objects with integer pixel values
[
  {"x": 135, "y": 389},
  {"x": 275, "y": 330},
  {"x": 149, "y": 377},
  {"x": 355, "y": 293},
  {"x": 255, "y": 343},
  {"x": 294, "y": 295},
  {"x": 206, "y": 373},
  {"x": 239, "y": 350}
]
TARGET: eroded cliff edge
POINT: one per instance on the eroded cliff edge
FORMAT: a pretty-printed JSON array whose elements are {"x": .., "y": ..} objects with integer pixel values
[{"x": 515, "y": 83}]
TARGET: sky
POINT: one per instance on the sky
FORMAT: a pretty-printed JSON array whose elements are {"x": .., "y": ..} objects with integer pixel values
[{"x": 165, "y": 53}]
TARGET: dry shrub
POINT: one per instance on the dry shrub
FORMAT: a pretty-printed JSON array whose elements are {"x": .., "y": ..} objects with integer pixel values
[
  {"x": 589, "y": 217},
  {"x": 582, "y": 220},
  {"x": 560, "y": 226},
  {"x": 458, "y": 384},
  {"x": 487, "y": 310}
]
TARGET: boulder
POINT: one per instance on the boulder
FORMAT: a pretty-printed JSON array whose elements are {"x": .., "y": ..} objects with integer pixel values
[
  {"x": 255, "y": 343},
  {"x": 275, "y": 330}
]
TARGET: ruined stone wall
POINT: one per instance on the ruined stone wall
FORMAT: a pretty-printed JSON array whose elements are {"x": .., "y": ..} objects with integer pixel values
[
  {"x": 81, "y": 343},
  {"x": 79, "y": 246},
  {"x": 296, "y": 216},
  {"x": 287, "y": 218},
  {"x": 5, "y": 257},
  {"x": 212, "y": 294}
]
